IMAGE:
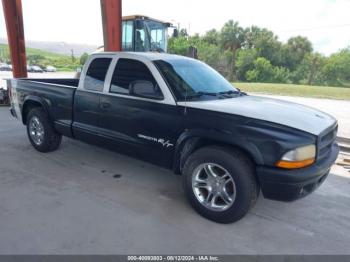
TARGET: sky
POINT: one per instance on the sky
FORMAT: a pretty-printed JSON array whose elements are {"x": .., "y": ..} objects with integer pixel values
[{"x": 325, "y": 22}]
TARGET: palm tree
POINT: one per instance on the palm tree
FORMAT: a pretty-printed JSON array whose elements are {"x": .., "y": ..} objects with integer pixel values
[
  {"x": 232, "y": 38},
  {"x": 316, "y": 61}
]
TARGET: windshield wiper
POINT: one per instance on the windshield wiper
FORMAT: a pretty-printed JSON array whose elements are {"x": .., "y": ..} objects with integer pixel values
[
  {"x": 232, "y": 92},
  {"x": 206, "y": 94},
  {"x": 225, "y": 94},
  {"x": 200, "y": 94}
]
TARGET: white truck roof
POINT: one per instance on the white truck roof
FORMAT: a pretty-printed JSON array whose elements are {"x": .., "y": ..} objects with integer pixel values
[{"x": 151, "y": 56}]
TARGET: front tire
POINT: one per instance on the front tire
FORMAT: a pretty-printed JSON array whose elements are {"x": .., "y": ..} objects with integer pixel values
[
  {"x": 220, "y": 183},
  {"x": 41, "y": 134}
]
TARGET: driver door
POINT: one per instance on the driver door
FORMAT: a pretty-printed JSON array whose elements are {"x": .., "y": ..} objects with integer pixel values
[{"x": 141, "y": 126}]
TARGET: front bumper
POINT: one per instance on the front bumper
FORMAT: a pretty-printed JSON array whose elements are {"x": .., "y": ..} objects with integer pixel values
[{"x": 288, "y": 185}]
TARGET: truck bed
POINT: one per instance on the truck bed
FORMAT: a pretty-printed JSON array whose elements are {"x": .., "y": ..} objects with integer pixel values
[
  {"x": 56, "y": 95},
  {"x": 73, "y": 82}
]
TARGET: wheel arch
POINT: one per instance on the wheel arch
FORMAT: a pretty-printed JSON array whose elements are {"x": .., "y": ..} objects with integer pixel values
[
  {"x": 191, "y": 141},
  {"x": 32, "y": 102}
]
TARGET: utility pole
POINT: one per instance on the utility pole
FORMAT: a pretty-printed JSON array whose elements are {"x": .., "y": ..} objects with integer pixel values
[
  {"x": 112, "y": 24},
  {"x": 15, "y": 35}
]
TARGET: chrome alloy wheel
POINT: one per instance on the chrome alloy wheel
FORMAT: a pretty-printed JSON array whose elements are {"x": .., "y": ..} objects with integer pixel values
[
  {"x": 36, "y": 130},
  {"x": 213, "y": 187}
]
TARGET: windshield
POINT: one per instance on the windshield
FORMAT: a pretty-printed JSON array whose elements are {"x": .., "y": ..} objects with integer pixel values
[
  {"x": 194, "y": 79},
  {"x": 157, "y": 33}
]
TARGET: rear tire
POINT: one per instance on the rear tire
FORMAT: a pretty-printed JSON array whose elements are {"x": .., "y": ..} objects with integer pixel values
[
  {"x": 220, "y": 183},
  {"x": 41, "y": 134}
]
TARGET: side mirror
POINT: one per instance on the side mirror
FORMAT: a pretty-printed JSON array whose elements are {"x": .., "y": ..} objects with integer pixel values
[
  {"x": 145, "y": 89},
  {"x": 176, "y": 33}
]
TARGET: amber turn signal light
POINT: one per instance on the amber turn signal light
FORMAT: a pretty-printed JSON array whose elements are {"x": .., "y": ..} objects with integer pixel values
[{"x": 295, "y": 164}]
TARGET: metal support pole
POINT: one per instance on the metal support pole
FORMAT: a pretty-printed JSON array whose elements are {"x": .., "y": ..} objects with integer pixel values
[
  {"x": 15, "y": 34},
  {"x": 112, "y": 24}
]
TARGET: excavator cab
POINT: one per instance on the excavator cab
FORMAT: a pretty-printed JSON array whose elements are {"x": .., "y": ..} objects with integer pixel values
[{"x": 144, "y": 34}]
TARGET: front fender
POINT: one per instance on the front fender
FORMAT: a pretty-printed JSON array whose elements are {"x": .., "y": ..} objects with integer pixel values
[{"x": 191, "y": 139}]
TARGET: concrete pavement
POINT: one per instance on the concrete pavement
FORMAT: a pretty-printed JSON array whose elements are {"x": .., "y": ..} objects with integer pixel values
[{"x": 69, "y": 202}]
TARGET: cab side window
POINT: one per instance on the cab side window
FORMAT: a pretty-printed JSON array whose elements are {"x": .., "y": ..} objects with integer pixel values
[
  {"x": 129, "y": 72},
  {"x": 96, "y": 74}
]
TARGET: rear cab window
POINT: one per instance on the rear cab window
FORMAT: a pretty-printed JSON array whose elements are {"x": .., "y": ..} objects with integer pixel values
[{"x": 96, "y": 74}]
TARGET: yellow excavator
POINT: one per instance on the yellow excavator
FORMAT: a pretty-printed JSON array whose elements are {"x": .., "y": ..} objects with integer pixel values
[{"x": 144, "y": 34}]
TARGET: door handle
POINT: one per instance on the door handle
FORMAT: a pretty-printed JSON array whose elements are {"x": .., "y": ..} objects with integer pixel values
[{"x": 105, "y": 105}]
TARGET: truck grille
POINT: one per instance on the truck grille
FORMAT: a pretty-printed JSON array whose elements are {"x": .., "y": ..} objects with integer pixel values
[{"x": 325, "y": 142}]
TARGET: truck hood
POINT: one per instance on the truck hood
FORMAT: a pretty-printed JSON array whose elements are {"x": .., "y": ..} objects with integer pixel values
[{"x": 273, "y": 110}]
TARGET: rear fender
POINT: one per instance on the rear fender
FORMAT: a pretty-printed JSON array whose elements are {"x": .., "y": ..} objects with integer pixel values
[{"x": 34, "y": 101}]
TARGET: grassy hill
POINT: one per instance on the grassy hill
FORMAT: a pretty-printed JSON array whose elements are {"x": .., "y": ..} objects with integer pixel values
[
  {"x": 44, "y": 58},
  {"x": 330, "y": 92}
]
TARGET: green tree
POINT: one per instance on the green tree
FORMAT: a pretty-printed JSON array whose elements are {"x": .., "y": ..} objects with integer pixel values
[
  {"x": 245, "y": 62},
  {"x": 83, "y": 58},
  {"x": 208, "y": 53},
  {"x": 336, "y": 70},
  {"x": 256, "y": 54},
  {"x": 295, "y": 50},
  {"x": 183, "y": 32},
  {"x": 315, "y": 62},
  {"x": 5, "y": 55},
  {"x": 178, "y": 45},
  {"x": 280, "y": 75},
  {"x": 309, "y": 71},
  {"x": 264, "y": 71},
  {"x": 265, "y": 43},
  {"x": 232, "y": 38},
  {"x": 212, "y": 37},
  {"x": 35, "y": 59}
]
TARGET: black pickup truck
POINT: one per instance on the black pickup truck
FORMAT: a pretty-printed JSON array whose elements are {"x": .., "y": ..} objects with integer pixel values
[{"x": 180, "y": 113}]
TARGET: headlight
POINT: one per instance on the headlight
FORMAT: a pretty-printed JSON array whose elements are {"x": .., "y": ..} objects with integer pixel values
[{"x": 298, "y": 158}]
